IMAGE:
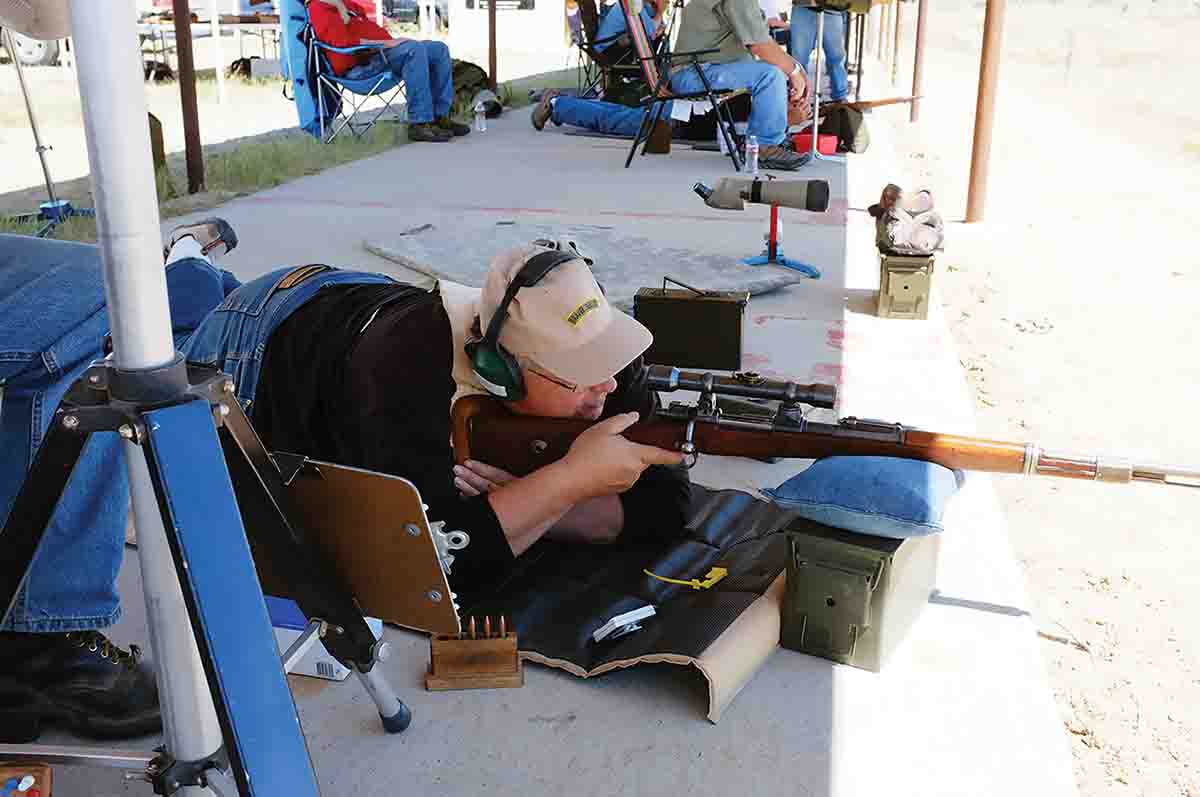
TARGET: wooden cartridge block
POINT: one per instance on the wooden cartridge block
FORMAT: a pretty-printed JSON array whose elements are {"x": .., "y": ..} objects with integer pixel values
[
  {"x": 25, "y": 780},
  {"x": 467, "y": 661}
]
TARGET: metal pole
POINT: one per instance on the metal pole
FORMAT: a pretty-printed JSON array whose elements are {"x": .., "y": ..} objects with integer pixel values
[
  {"x": 187, "y": 96},
  {"x": 37, "y": 136},
  {"x": 491, "y": 42},
  {"x": 985, "y": 105},
  {"x": 896, "y": 43},
  {"x": 218, "y": 56},
  {"x": 914, "y": 112},
  {"x": 118, "y": 140}
]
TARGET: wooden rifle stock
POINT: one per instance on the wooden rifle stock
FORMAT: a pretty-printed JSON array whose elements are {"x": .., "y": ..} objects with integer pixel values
[{"x": 484, "y": 430}]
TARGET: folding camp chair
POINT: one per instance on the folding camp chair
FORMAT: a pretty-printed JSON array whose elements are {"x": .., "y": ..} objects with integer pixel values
[
  {"x": 603, "y": 59},
  {"x": 656, "y": 69},
  {"x": 336, "y": 93}
]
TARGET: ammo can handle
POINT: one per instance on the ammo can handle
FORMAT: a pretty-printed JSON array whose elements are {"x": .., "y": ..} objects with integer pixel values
[{"x": 697, "y": 291}]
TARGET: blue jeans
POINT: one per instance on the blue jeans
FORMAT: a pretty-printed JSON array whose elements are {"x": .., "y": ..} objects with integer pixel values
[
  {"x": 804, "y": 41},
  {"x": 600, "y": 116},
  {"x": 53, "y": 320},
  {"x": 768, "y": 87},
  {"x": 233, "y": 337},
  {"x": 425, "y": 68}
]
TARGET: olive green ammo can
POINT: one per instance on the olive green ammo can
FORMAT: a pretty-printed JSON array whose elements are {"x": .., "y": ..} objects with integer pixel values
[
  {"x": 905, "y": 284},
  {"x": 693, "y": 328},
  {"x": 853, "y": 597}
]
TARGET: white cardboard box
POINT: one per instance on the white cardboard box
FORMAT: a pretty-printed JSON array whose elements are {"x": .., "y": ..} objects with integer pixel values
[{"x": 289, "y": 623}]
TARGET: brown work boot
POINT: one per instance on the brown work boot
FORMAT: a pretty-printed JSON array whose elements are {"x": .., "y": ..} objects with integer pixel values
[
  {"x": 453, "y": 127},
  {"x": 777, "y": 157},
  {"x": 543, "y": 110},
  {"x": 427, "y": 131}
]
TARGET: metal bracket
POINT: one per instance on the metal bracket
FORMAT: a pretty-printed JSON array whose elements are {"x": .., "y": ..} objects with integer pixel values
[{"x": 168, "y": 775}]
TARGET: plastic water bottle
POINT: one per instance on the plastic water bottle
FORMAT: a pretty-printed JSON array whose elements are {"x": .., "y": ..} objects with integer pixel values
[
  {"x": 752, "y": 154},
  {"x": 480, "y": 117}
]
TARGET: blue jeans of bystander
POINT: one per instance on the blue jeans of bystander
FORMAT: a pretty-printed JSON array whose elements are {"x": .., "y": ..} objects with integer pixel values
[
  {"x": 53, "y": 320},
  {"x": 425, "y": 68},
  {"x": 804, "y": 41}
]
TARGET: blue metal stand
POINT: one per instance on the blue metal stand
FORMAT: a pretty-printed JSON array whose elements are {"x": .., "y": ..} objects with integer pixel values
[
  {"x": 197, "y": 444},
  {"x": 53, "y": 213}
]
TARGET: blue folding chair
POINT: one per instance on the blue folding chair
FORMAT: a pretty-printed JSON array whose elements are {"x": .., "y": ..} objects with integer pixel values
[{"x": 341, "y": 98}]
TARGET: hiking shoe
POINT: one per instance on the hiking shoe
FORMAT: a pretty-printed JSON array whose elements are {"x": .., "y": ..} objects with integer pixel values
[
  {"x": 453, "y": 127},
  {"x": 780, "y": 158},
  {"x": 428, "y": 132},
  {"x": 215, "y": 236},
  {"x": 544, "y": 109},
  {"x": 80, "y": 681}
]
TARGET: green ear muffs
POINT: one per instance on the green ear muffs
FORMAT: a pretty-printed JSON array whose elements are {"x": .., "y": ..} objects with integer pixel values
[{"x": 497, "y": 370}]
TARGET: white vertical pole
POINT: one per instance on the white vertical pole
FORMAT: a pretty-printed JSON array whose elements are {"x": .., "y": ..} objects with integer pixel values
[
  {"x": 218, "y": 56},
  {"x": 109, "y": 66},
  {"x": 379, "y": 12}
]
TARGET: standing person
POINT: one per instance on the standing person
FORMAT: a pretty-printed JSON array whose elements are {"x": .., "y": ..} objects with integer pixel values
[
  {"x": 804, "y": 41},
  {"x": 424, "y": 66}
]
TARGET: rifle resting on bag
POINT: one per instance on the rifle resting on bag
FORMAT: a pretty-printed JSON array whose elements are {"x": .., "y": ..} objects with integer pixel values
[{"x": 486, "y": 431}]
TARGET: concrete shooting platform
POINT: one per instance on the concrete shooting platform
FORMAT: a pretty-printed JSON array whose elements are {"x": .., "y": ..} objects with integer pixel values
[{"x": 964, "y": 707}]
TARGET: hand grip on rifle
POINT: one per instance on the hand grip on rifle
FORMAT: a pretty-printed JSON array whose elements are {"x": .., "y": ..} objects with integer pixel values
[{"x": 732, "y": 193}]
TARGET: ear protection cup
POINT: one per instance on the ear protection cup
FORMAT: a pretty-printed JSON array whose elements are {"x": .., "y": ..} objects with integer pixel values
[{"x": 496, "y": 368}]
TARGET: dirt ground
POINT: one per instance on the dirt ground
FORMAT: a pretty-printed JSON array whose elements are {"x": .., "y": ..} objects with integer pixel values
[{"x": 1074, "y": 308}]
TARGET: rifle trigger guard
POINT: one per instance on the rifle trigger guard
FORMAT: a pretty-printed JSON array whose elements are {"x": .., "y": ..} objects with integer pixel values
[{"x": 688, "y": 447}]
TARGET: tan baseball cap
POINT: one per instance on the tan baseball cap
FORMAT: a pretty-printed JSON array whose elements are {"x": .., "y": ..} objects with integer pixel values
[{"x": 563, "y": 323}]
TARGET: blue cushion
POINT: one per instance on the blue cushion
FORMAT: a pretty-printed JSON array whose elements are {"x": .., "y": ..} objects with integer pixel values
[{"x": 882, "y": 496}]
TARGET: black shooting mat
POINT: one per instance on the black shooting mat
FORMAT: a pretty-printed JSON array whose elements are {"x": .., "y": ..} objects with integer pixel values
[{"x": 560, "y": 593}]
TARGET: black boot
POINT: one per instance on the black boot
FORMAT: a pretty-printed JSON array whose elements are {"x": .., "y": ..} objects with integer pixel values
[{"x": 79, "y": 681}]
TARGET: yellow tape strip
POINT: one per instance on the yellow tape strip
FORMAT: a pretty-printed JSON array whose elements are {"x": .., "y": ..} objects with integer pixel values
[{"x": 712, "y": 577}]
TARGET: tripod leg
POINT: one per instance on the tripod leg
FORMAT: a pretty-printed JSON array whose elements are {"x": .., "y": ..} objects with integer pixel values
[
  {"x": 35, "y": 503},
  {"x": 200, "y": 515}
]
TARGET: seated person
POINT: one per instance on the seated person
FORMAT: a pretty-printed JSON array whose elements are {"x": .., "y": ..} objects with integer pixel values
[
  {"x": 612, "y": 23},
  {"x": 747, "y": 58},
  {"x": 358, "y": 369},
  {"x": 424, "y": 66}
]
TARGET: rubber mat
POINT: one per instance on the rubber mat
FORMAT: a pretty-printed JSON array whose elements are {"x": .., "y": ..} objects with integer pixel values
[{"x": 560, "y": 594}]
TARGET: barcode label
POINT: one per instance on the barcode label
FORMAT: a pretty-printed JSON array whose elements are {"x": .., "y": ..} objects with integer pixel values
[{"x": 324, "y": 669}]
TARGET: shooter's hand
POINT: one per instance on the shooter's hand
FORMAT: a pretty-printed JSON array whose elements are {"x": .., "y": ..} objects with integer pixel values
[
  {"x": 605, "y": 463},
  {"x": 475, "y": 478}
]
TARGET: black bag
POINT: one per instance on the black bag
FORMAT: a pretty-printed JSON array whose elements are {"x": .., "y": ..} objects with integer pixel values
[{"x": 849, "y": 127}]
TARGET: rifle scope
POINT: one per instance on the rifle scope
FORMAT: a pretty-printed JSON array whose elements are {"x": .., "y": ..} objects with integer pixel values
[{"x": 748, "y": 384}]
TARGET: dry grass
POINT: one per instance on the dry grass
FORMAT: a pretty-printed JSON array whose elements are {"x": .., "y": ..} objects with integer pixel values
[{"x": 230, "y": 172}]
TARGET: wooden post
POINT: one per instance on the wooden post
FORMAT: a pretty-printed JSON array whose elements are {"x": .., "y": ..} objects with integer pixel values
[
  {"x": 985, "y": 104},
  {"x": 491, "y": 42},
  {"x": 187, "y": 96},
  {"x": 914, "y": 112}
]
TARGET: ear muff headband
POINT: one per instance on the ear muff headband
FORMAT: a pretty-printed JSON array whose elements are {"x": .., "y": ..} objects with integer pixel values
[{"x": 497, "y": 369}]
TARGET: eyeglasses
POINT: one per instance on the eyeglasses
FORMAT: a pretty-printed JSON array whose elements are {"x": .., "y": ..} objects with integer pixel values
[{"x": 532, "y": 366}]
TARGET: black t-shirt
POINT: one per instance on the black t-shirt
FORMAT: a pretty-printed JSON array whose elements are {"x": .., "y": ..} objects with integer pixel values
[{"x": 380, "y": 398}]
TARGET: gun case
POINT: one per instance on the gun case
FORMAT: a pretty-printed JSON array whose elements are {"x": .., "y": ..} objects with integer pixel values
[{"x": 853, "y": 597}]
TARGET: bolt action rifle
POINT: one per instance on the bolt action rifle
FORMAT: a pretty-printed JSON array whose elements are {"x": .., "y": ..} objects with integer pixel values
[{"x": 484, "y": 430}]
